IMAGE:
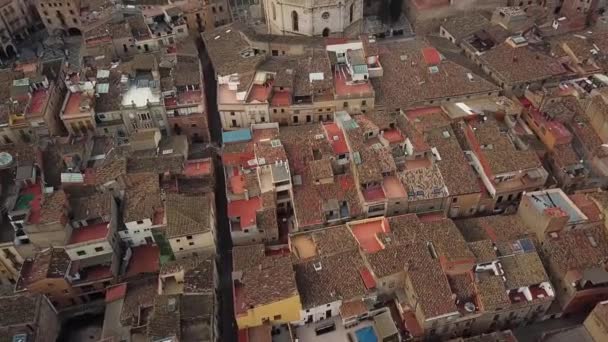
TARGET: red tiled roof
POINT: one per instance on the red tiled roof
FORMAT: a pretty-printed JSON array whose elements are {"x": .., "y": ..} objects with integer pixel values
[
  {"x": 116, "y": 292},
  {"x": 89, "y": 233},
  {"x": 145, "y": 259}
]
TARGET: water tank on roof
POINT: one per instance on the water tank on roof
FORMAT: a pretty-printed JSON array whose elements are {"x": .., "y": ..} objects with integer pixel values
[
  {"x": 469, "y": 307},
  {"x": 5, "y": 159}
]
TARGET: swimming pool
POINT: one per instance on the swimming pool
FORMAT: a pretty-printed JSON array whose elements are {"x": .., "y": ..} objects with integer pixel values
[{"x": 366, "y": 334}]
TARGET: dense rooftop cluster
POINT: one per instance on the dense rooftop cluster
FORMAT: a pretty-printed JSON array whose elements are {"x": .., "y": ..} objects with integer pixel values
[{"x": 449, "y": 185}]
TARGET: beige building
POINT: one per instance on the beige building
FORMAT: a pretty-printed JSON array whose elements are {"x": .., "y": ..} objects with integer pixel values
[
  {"x": 573, "y": 221},
  {"x": 190, "y": 224}
]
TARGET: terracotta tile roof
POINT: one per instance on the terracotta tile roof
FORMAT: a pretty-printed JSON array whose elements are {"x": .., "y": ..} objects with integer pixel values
[
  {"x": 91, "y": 207},
  {"x": 518, "y": 65},
  {"x": 565, "y": 155},
  {"x": 423, "y": 183},
  {"x": 375, "y": 158},
  {"x": 266, "y": 219},
  {"x": 523, "y": 270},
  {"x": 53, "y": 208},
  {"x": 142, "y": 197},
  {"x": 201, "y": 277},
  {"x": 495, "y": 228},
  {"x": 187, "y": 71},
  {"x": 577, "y": 249},
  {"x": 484, "y": 251},
  {"x": 114, "y": 166},
  {"x": 314, "y": 61},
  {"x": 255, "y": 289},
  {"x": 352, "y": 308},
  {"x": 397, "y": 258},
  {"x": 188, "y": 215},
  {"x": 463, "y": 286},
  {"x": 409, "y": 71},
  {"x": 139, "y": 296},
  {"x": 589, "y": 139},
  {"x": 19, "y": 310},
  {"x": 284, "y": 69},
  {"x": 457, "y": 174},
  {"x": 434, "y": 300},
  {"x": 492, "y": 293},
  {"x": 224, "y": 45},
  {"x": 305, "y": 144},
  {"x": 500, "y": 153},
  {"x": 245, "y": 257},
  {"x": 338, "y": 279},
  {"x": 165, "y": 318},
  {"x": 333, "y": 240},
  {"x": 320, "y": 169},
  {"x": 271, "y": 154},
  {"x": 50, "y": 263},
  {"x": 462, "y": 26}
]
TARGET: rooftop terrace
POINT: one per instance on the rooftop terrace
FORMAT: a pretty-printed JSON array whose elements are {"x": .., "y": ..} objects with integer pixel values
[{"x": 89, "y": 233}]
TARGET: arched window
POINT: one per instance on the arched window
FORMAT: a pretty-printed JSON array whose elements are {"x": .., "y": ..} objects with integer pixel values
[
  {"x": 352, "y": 9},
  {"x": 326, "y": 32},
  {"x": 294, "y": 21},
  {"x": 274, "y": 12}
]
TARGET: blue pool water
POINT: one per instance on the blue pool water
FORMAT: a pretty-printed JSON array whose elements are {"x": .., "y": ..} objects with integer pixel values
[{"x": 366, "y": 335}]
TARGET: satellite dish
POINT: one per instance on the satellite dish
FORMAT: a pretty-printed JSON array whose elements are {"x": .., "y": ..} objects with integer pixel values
[
  {"x": 5, "y": 159},
  {"x": 469, "y": 307}
]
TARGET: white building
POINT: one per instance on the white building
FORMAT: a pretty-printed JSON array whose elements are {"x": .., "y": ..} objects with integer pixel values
[{"x": 314, "y": 17}]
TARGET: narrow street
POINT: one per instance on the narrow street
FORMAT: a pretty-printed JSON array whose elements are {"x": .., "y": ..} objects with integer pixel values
[{"x": 226, "y": 320}]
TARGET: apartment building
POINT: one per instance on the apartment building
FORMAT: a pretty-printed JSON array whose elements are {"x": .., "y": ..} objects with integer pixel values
[
  {"x": 505, "y": 178},
  {"x": 575, "y": 222},
  {"x": 142, "y": 209},
  {"x": 190, "y": 224}
]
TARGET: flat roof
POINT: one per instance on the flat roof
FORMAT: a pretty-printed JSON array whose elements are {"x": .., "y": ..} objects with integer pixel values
[
  {"x": 245, "y": 210},
  {"x": 236, "y": 136},
  {"x": 89, "y": 233},
  {"x": 139, "y": 96},
  {"x": 555, "y": 198},
  {"x": 366, "y": 234}
]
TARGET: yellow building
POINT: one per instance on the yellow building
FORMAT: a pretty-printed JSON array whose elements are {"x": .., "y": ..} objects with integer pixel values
[{"x": 256, "y": 299}]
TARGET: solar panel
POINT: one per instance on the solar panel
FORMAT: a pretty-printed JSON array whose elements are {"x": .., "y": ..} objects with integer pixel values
[
  {"x": 103, "y": 88},
  {"x": 527, "y": 245}
]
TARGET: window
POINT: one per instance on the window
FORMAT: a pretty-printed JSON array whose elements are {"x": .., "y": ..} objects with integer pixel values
[
  {"x": 213, "y": 9},
  {"x": 221, "y": 9},
  {"x": 294, "y": 21},
  {"x": 140, "y": 222},
  {"x": 352, "y": 9},
  {"x": 191, "y": 244},
  {"x": 274, "y": 12},
  {"x": 81, "y": 253},
  {"x": 98, "y": 249},
  {"x": 189, "y": 237},
  {"x": 277, "y": 317},
  {"x": 178, "y": 240}
]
